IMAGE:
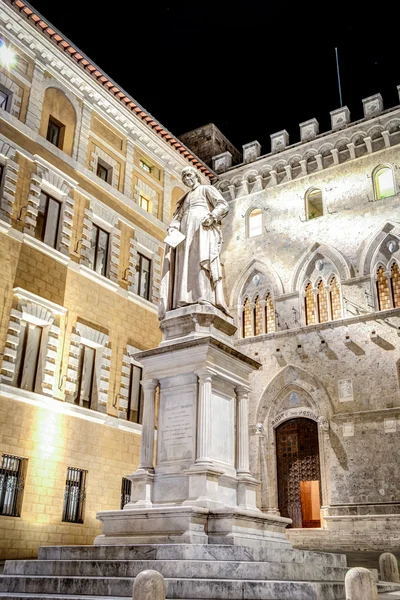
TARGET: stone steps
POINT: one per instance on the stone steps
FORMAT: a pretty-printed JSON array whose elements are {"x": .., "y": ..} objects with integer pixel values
[
  {"x": 183, "y": 569},
  {"x": 191, "y": 571},
  {"x": 177, "y": 589},
  {"x": 191, "y": 552}
]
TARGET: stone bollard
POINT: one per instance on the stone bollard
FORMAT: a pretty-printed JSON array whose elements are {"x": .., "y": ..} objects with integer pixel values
[
  {"x": 360, "y": 585},
  {"x": 388, "y": 568},
  {"x": 149, "y": 585}
]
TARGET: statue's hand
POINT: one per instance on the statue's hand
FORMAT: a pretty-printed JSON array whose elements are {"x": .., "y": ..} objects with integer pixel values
[{"x": 208, "y": 221}]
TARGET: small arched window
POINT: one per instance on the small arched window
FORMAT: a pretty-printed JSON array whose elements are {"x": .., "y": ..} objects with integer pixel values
[
  {"x": 309, "y": 304},
  {"x": 334, "y": 296},
  {"x": 247, "y": 328},
  {"x": 395, "y": 285},
  {"x": 269, "y": 314},
  {"x": 322, "y": 303},
  {"x": 382, "y": 288},
  {"x": 383, "y": 182},
  {"x": 255, "y": 222},
  {"x": 314, "y": 206}
]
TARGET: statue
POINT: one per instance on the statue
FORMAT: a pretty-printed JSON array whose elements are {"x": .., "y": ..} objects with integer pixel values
[{"x": 192, "y": 271}]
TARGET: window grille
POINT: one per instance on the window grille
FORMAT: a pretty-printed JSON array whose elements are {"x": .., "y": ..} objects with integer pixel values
[
  {"x": 126, "y": 489},
  {"x": 12, "y": 479},
  {"x": 74, "y": 495}
]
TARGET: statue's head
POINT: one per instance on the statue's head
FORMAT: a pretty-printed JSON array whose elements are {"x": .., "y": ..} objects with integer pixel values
[{"x": 190, "y": 177}]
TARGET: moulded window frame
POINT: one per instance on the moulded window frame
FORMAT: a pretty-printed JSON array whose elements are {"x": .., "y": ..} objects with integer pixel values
[
  {"x": 375, "y": 183},
  {"x": 306, "y": 202},
  {"x": 338, "y": 283}
]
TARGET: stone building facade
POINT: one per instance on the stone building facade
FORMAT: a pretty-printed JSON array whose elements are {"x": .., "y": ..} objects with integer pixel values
[
  {"x": 311, "y": 258},
  {"x": 87, "y": 185},
  {"x": 312, "y": 264}
]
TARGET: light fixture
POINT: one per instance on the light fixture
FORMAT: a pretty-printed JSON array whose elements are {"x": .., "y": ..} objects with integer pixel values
[{"x": 7, "y": 56}]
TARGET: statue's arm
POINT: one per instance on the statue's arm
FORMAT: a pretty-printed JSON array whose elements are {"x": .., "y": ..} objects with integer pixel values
[{"x": 216, "y": 199}]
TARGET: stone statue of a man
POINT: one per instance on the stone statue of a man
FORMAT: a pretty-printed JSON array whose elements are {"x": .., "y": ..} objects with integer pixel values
[{"x": 192, "y": 271}]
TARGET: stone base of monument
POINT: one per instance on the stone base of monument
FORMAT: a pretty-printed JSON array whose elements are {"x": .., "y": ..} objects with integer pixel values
[
  {"x": 191, "y": 525},
  {"x": 200, "y": 489}
]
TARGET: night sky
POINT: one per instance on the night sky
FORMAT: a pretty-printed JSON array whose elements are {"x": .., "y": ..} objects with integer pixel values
[{"x": 251, "y": 70}]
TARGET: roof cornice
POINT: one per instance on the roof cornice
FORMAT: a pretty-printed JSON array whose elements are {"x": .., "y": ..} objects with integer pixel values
[{"x": 65, "y": 46}]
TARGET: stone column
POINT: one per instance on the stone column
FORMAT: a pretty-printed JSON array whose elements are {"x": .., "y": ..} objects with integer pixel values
[
  {"x": 147, "y": 442},
  {"x": 204, "y": 418},
  {"x": 242, "y": 431}
]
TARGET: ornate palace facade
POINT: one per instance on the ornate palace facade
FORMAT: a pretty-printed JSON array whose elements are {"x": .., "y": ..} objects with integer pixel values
[{"x": 311, "y": 258}]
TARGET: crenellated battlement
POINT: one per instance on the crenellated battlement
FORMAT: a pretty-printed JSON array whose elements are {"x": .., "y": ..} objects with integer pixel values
[{"x": 346, "y": 141}]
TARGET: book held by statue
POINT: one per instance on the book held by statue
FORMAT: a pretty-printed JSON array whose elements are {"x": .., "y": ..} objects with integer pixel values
[{"x": 174, "y": 238}]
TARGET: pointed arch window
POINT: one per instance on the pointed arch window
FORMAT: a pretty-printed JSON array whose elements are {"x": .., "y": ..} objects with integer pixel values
[
  {"x": 247, "y": 328},
  {"x": 309, "y": 303},
  {"x": 269, "y": 314},
  {"x": 383, "y": 182},
  {"x": 334, "y": 298},
  {"x": 382, "y": 288},
  {"x": 255, "y": 222},
  {"x": 395, "y": 285},
  {"x": 322, "y": 302},
  {"x": 314, "y": 206}
]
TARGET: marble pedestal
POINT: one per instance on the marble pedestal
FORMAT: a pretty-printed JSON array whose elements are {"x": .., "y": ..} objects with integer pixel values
[{"x": 199, "y": 489}]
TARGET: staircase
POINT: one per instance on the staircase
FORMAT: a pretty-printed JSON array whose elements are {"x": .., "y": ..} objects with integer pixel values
[{"x": 191, "y": 571}]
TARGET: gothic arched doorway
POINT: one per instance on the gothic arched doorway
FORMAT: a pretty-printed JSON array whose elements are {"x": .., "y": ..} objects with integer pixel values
[{"x": 298, "y": 467}]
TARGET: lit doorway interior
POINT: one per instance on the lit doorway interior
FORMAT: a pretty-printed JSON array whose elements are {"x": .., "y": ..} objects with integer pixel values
[{"x": 298, "y": 467}]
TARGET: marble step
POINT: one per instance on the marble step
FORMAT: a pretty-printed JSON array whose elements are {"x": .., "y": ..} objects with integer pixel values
[
  {"x": 190, "y": 552},
  {"x": 183, "y": 569},
  {"x": 177, "y": 589}
]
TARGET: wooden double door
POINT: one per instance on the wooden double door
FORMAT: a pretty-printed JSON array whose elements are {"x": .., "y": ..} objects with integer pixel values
[{"x": 298, "y": 466}]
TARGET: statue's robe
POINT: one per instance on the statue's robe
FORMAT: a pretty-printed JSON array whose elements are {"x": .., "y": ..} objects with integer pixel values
[{"x": 192, "y": 271}]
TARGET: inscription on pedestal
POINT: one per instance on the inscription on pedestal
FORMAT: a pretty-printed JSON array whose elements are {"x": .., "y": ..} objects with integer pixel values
[{"x": 177, "y": 427}]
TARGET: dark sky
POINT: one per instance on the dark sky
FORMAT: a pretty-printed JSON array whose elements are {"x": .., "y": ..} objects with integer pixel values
[{"x": 252, "y": 68}]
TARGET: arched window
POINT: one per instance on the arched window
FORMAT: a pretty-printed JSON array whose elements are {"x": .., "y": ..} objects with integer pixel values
[
  {"x": 334, "y": 297},
  {"x": 269, "y": 314},
  {"x": 255, "y": 222},
  {"x": 309, "y": 303},
  {"x": 382, "y": 287},
  {"x": 322, "y": 303},
  {"x": 258, "y": 317},
  {"x": 383, "y": 182},
  {"x": 314, "y": 206},
  {"x": 247, "y": 329},
  {"x": 395, "y": 284}
]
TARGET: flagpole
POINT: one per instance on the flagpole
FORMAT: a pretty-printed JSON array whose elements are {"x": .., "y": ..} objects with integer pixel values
[{"x": 338, "y": 76}]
